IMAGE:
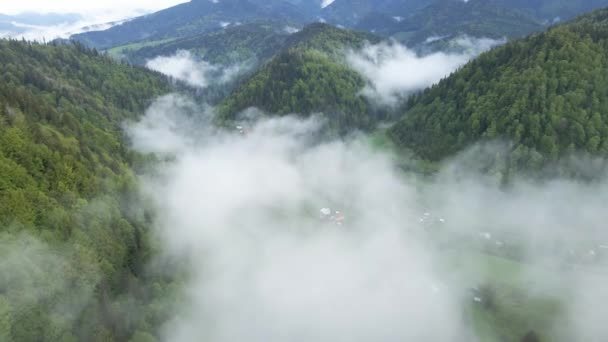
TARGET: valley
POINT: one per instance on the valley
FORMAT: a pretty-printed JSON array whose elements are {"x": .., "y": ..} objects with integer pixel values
[{"x": 395, "y": 170}]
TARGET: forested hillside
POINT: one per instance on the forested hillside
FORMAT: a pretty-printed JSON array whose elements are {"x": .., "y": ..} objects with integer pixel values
[
  {"x": 554, "y": 10},
  {"x": 548, "y": 94},
  {"x": 188, "y": 19},
  {"x": 72, "y": 252},
  {"x": 449, "y": 18},
  {"x": 409, "y": 21},
  {"x": 351, "y": 12},
  {"x": 328, "y": 39},
  {"x": 217, "y": 234},
  {"x": 308, "y": 77},
  {"x": 258, "y": 40},
  {"x": 413, "y": 21}
]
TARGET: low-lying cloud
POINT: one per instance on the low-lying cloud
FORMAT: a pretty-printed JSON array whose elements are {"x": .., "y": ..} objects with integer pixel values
[
  {"x": 245, "y": 209},
  {"x": 38, "y": 278},
  {"x": 395, "y": 71},
  {"x": 185, "y": 67},
  {"x": 242, "y": 207},
  {"x": 290, "y": 29},
  {"x": 326, "y": 3},
  {"x": 63, "y": 30}
]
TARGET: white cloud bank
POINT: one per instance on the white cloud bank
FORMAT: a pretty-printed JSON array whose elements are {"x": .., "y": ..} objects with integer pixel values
[
  {"x": 63, "y": 30},
  {"x": 197, "y": 73},
  {"x": 245, "y": 210},
  {"x": 243, "y": 213},
  {"x": 96, "y": 15},
  {"x": 84, "y": 7},
  {"x": 395, "y": 71}
]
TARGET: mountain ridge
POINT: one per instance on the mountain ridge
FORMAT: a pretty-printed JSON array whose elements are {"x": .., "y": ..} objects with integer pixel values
[
  {"x": 67, "y": 239},
  {"x": 545, "y": 93},
  {"x": 184, "y": 20},
  {"x": 307, "y": 76}
]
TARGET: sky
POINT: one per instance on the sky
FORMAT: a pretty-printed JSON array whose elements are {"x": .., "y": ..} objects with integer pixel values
[
  {"x": 94, "y": 15},
  {"x": 83, "y": 7}
]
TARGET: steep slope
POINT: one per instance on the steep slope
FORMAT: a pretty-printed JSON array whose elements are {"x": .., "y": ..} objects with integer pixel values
[
  {"x": 350, "y": 12},
  {"x": 548, "y": 94},
  {"x": 551, "y": 10},
  {"x": 258, "y": 40},
  {"x": 68, "y": 246},
  {"x": 449, "y": 18},
  {"x": 310, "y": 7},
  {"x": 194, "y": 17},
  {"x": 413, "y": 21},
  {"x": 328, "y": 39},
  {"x": 309, "y": 76}
]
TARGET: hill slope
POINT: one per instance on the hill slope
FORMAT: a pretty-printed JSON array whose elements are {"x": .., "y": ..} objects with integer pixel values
[
  {"x": 351, "y": 12},
  {"x": 413, "y": 21},
  {"x": 191, "y": 18},
  {"x": 68, "y": 247},
  {"x": 258, "y": 40},
  {"x": 410, "y": 21},
  {"x": 449, "y": 18},
  {"x": 309, "y": 76},
  {"x": 551, "y": 10},
  {"x": 547, "y": 93}
]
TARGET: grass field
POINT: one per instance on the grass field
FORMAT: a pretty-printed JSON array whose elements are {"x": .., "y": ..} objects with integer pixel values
[{"x": 524, "y": 297}]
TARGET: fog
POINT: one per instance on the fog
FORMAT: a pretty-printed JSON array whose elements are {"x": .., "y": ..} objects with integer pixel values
[
  {"x": 36, "y": 277},
  {"x": 85, "y": 23},
  {"x": 394, "y": 71},
  {"x": 243, "y": 213},
  {"x": 291, "y": 30},
  {"x": 246, "y": 211},
  {"x": 185, "y": 67},
  {"x": 85, "y": 8}
]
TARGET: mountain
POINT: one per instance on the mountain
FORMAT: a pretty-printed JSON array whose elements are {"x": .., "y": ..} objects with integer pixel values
[
  {"x": 310, "y": 7},
  {"x": 309, "y": 76},
  {"x": 410, "y": 21},
  {"x": 414, "y": 21},
  {"x": 450, "y": 18},
  {"x": 546, "y": 94},
  {"x": 258, "y": 40},
  {"x": 553, "y": 10},
  {"x": 71, "y": 250},
  {"x": 328, "y": 39},
  {"x": 350, "y": 13},
  {"x": 191, "y": 18}
]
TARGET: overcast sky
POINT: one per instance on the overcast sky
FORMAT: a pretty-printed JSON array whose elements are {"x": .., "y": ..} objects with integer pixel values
[{"x": 86, "y": 7}]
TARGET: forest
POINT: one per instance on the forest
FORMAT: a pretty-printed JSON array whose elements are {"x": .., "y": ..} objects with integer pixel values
[
  {"x": 452, "y": 18},
  {"x": 310, "y": 76},
  {"x": 73, "y": 249},
  {"x": 545, "y": 94},
  {"x": 82, "y": 257},
  {"x": 254, "y": 41}
]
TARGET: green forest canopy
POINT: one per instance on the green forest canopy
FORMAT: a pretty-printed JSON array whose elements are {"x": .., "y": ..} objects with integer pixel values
[
  {"x": 72, "y": 255},
  {"x": 548, "y": 94},
  {"x": 310, "y": 76}
]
